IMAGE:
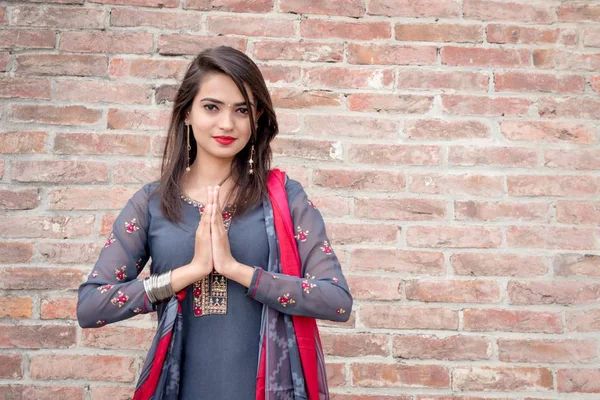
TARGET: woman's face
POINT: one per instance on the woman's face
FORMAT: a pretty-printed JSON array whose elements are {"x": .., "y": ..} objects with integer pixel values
[{"x": 219, "y": 117}]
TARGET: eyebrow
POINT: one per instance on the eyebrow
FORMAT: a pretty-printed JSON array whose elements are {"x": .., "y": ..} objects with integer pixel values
[{"x": 220, "y": 102}]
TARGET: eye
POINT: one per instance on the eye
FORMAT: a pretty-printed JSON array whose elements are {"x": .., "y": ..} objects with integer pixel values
[
  {"x": 210, "y": 107},
  {"x": 243, "y": 110}
]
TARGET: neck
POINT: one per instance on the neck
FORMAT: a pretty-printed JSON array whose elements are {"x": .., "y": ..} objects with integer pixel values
[{"x": 210, "y": 172}]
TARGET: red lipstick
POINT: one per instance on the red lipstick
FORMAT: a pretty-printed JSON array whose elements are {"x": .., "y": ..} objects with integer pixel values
[{"x": 224, "y": 140}]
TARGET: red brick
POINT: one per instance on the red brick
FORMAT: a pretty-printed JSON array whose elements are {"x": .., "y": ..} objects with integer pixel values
[
  {"x": 542, "y": 83},
  {"x": 393, "y": 154},
  {"x": 342, "y": 396},
  {"x": 499, "y": 320},
  {"x": 347, "y": 233},
  {"x": 88, "y": 367},
  {"x": 578, "y": 380},
  {"x": 118, "y": 337},
  {"x": 591, "y": 37},
  {"x": 547, "y": 185},
  {"x": 396, "y": 375},
  {"x": 331, "y": 206},
  {"x": 547, "y": 351},
  {"x": 498, "y": 264},
  {"x": 15, "y": 307},
  {"x": 58, "y": 17},
  {"x": 27, "y": 88},
  {"x": 62, "y": 64},
  {"x": 354, "y": 78},
  {"x": 182, "y": 44},
  {"x": 374, "y": 288},
  {"x": 467, "y": 184},
  {"x": 336, "y": 374},
  {"x": 578, "y": 11},
  {"x": 487, "y": 10},
  {"x": 572, "y": 159},
  {"x": 478, "y": 105},
  {"x": 570, "y": 107},
  {"x": 485, "y": 57},
  {"x": 391, "y": 54},
  {"x": 69, "y": 253},
  {"x": 501, "y": 211},
  {"x": 455, "y": 80},
  {"x": 103, "y": 92},
  {"x": 402, "y": 104},
  {"x": 400, "y": 261},
  {"x": 551, "y": 132},
  {"x": 349, "y": 126},
  {"x": 23, "y": 142},
  {"x": 450, "y": 348},
  {"x": 439, "y": 32},
  {"x": 350, "y": 324},
  {"x": 60, "y": 171},
  {"x": 583, "y": 265},
  {"x": 493, "y": 156},
  {"x": 90, "y": 198},
  {"x": 349, "y": 8},
  {"x": 551, "y": 237},
  {"x": 563, "y": 59},
  {"x": 415, "y": 8},
  {"x": 305, "y": 148},
  {"x": 23, "y": 278},
  {"x": 54, "y": 115},
  {"x": 175, "y": 20},
  {"x": 583, "y": 321},
  {"x": 406, "y": 317},
  {"x": 142, "y": 3},
  {"x": 298, "y": 51},
  {"x": 241, "y": 6},
  {"x": 5, "y": 58},
  {"x": 301, "y": 99},
  {"x": 453, "y": 236},
  {"x": 106, "y": 42},
  {"x": 553, "y": 292},
  {"x": 574, "y": 212},
  {"x": 280, "y": 73},
  {"x": 355, "y": 344},
  {"x": 59, "y": 308},
  {"x": 250, "y": 26},
  {"x": 49, "y": 227},
  {"x": 510, "y": 379},
  {"x": 19, "y": 199},
  {"x": 448, "y": 291},
  {"x": 520, "y": 34},
  {"x": 45, "y": 392},
  {"x": 400, "y": 209},
  {"x": 438, "y": 129},
  {"x": 11, "y": 366},
  {"x": 138, "y": 119},
  {"x": 148, "y": 68},
  {"x": 318, "y": 29},
  {"x": 37, "y": 336},
  {"x": 15, "y": 252},
  {"x": 101, "y": 143},
  {"x": 137, "y": 172},
  {"x": 112, "y": 392}
]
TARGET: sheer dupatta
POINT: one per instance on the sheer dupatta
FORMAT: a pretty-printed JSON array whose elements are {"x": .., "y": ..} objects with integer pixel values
[{"x": 291, "y": 362}]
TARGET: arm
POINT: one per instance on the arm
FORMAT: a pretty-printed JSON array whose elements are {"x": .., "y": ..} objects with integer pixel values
[
  {"x": 322, "y": 292},
  {"x": 112, "y": 291}
]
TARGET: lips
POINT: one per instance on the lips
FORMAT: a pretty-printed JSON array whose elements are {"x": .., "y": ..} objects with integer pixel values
[{"x": 224, "y": 140}]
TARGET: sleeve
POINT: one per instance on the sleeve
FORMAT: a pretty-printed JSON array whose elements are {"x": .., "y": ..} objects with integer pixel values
[
  {"x": 322, "y": 291},
  {"x": 112, "y": 291}
]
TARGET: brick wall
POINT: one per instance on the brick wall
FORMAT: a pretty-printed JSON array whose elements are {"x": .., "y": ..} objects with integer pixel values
[{"x": 452, "y": 146}]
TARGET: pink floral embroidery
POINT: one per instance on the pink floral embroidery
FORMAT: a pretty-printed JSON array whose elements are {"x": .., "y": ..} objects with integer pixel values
[
  {"x": 311, "y": 204},
  {"x": 340, "y": 311},
  {"x": 120, "y": 273},
  {"x": 101, "y": 322},
  {"x": 111, "y": 239},
  {"x": 197, "y": 311},
  {"x": 302, "y": 235},
  {"x": 306, "y": 286},
  {"x": 335, "y": 280},
  {"x": 285, "y": 300},
  {"x": 326, "y": 248},
  {"x": 131, "y": 227},
  {"x": 137, "y": 310},
  {"x": 120, "y": 299},
  {"x": 105, "y": 288},
  {"x": 308, "y": 276},
  {"x": 95, "y": 274},
  {"x": 138, "y": 265}
]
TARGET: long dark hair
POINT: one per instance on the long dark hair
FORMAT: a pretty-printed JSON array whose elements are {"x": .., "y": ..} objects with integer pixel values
[{"x": 250, "y": 189}]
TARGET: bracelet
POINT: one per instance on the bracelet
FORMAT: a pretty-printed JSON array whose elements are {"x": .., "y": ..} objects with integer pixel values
[{"x": 158, "y": 287}]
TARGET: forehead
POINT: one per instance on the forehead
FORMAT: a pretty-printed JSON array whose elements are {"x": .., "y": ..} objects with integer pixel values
[{"x": 222, "y": 87}]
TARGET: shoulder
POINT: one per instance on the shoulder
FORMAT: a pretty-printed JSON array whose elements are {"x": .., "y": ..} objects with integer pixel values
[{"x": 142, "y": 195}]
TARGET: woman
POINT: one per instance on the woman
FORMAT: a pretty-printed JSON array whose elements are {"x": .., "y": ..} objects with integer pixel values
[{"x": 207, "y": 225}]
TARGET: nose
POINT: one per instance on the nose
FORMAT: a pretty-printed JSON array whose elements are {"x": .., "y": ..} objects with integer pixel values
[{"x": 226, "y": 121}]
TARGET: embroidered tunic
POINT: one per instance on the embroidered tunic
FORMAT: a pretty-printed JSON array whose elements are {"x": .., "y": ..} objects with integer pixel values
[{"x": 222, "y": 339}]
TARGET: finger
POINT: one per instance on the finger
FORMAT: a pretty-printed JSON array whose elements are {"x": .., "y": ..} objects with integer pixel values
[{"x": 215, "y": 202}]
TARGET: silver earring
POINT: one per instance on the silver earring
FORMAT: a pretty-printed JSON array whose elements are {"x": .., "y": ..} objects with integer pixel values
[
  {"x": 251, "y": 161},
  {"x": 189, "y": 148}
]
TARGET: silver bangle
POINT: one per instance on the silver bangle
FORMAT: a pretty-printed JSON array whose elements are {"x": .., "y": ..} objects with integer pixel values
[{"x": 158, "y": 287}]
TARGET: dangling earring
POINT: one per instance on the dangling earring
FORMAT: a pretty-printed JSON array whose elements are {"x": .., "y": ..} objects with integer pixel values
[
  {"x": 251, "y": 161},
  {"x": 189, "y": 148}
]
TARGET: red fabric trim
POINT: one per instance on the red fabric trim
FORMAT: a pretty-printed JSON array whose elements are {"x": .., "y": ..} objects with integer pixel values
[
  {"x": 256, "y": 283},
  {"x": 146, "y": 391}
]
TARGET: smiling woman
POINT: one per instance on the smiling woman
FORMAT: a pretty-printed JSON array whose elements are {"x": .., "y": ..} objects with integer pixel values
[{"x": 221, "y": 229}]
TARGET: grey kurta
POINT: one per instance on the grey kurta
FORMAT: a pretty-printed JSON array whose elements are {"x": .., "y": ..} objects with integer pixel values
[{"x": 215, "y": 346}]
